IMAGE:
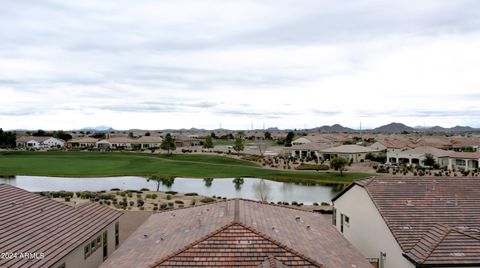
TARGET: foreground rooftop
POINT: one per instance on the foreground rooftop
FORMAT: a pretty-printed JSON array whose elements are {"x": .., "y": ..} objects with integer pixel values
[
  {"x": 236, "y": 233},
  {"x": 36, "y": 224},
  {"x": 435, "y": 220}
]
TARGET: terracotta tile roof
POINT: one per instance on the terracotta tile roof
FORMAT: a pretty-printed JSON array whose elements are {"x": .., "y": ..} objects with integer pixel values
[
  {"x": 349, "y": 149},
  {"x": 272, "y": 262},
  {"x": 39, "y": 139},
  {"x": 413, "y": 206},
  {"x": 33, "y": 223},
  {"x": 428, "y": 150},
  {"x": 235, "y": 245},
  {"x": 304, "y": 234},
  {"x": 465, "y": 155},
  {"x": 446, "y": 245},
  {"x": 83, "y": 140}
]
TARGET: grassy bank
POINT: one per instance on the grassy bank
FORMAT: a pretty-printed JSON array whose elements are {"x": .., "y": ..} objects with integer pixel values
[{"x": 96, "y": 164}]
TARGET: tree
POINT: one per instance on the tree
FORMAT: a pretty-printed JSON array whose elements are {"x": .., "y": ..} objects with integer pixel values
[
  {"x": 7, "y": 139},
  {"x": 208, "y": 144},
  {"x": 267, "y": 135},
  {"x": 62, "y": 135},
  {"x": 262, "y": 146},
  {"x": 147, "y": 134},
  {"x": 40, "y": 133},
  {"x": 339, "y": 163},
  {"x": 168, "y": 143},
  {"x": 238, "y": 146},
  {"x": 130, "y": 134},
  {"x": 429, "y": 160},
  {"x": 158, "y": 180},
  {"x": 289, "y": 139},
  {"x": 238, "y": 183}
]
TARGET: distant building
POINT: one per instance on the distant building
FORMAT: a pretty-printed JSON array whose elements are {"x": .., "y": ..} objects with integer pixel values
[
  {"x": 412, "y": 221},
  {"x": 236, "y": 233},
  {"x": 82, "y": 143},
  {"x": 417, "y": 155},
  {"x": 461, "y": 160},
  {"x": 37, "y": 142},
  {"x": 54, "y": 234},
  {"x": 186, "y": 141},
  {"x": 354, "y": 153}
]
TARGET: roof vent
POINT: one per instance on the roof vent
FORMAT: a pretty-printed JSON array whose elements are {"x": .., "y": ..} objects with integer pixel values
[
  {"x": 406, "y": 227},
  {"x": 145, "y": 235},
  {"x": 308, "y": 227},
  {"x": 457, "y": 254},
  {"x": 409, "y": 203},
  {"x": 297, "y": 218}
]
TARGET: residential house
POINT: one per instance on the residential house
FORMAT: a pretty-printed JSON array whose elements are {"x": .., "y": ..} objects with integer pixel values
[
  {"x": 417, "y": 155},
  {"x": 146, "y": 142},
  {"x": 412, "y": 221},
  {"x": 236, "y": 233},
  {"x": 53, "y": 234},
  {"x": 354, "y": 153},
  {"x": 307, "y": 150},
  {"x": 82, "y": 143},
  {"x": 186, "y": 141},
  {"x": 37, "y": 142},
  {"x": 461, "y": 160}
]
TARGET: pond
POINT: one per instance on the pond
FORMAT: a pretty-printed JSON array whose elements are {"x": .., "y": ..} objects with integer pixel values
[{"x": 249, "y": 188}]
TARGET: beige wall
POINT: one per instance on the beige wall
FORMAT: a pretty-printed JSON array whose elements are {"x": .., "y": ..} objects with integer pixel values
[
  {"x": 76, "y": 259},
  {"x": 367, "y": 230}
]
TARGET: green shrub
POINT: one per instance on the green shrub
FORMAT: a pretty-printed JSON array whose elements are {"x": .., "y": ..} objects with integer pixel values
[
  {"x": 178, "y": 202},
  {"x": 313, "y": 167},
  {"x": 191, "y": 194},
  {"x": 207, "y": 200},
  {"x": 168, "y": 197},
  {"x": 171, "y": 192},
  {"x": 145, "y": 189}
]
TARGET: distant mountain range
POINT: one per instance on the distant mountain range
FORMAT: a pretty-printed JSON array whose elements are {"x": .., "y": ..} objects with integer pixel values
[
  {"x": 97, "y": 129},
  {"x": 336, "y": 128},
  {"x": 394, "y": 128}
]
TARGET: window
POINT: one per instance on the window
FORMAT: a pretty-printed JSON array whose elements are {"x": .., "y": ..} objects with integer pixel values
[
  {"x": 99, "y": 241},
  {"x": 93, "y": 245},
  {"x": 347, "y": 219},
  {"x": 61, "y": 265},
  {"x": 105, "y": 245},
  {"x": 87, "y": 251},
  {"x": 117, "y": 234},
  {"x": 341, "y": 223},
  {"x": 334, "y": 217}
]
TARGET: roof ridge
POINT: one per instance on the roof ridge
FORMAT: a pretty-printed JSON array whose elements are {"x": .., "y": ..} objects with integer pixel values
[
  {"x": 223, "y": 228},
  {"x": 280, "y": 244},
  {"x": 438, "y": 243},
  {"x": 186, "y": 247},
  {"x": 275, "y": 205}
]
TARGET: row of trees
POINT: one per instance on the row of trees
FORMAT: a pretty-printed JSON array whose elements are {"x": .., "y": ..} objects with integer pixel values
[{"x": 7, "y": 139}]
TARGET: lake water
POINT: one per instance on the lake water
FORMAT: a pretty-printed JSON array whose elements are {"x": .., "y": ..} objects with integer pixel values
[{"x": 252, "y": 188}]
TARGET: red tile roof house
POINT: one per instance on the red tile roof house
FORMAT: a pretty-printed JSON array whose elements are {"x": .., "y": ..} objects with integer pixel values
[
  {"x": 36, "y": 231},
  {"x": 413, "y": 222},
  {"x": 236, "y": 233}
]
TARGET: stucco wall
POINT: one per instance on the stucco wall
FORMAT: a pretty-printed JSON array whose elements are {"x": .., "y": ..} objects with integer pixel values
[
  {"x": 367, "y": 230},
  {"x": 76, "y": 258}
]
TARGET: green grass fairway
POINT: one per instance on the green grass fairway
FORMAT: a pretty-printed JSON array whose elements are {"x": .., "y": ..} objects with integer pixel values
[{"x": 96, "y": 164}]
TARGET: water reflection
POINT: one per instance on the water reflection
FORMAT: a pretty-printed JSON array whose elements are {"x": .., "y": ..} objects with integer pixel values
[
  {"x": 208, "y": 181},
  {"x": 250, "y": 188},
  {"x": 238, "y": 183},
  {"x": 262, "y": 190}
]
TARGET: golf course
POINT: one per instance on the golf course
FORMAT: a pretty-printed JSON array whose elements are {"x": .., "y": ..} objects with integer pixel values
[{"x": 103, "y": 164}]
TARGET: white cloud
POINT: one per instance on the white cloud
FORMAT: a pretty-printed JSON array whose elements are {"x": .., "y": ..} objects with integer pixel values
[{"x": 149, "y": 64}]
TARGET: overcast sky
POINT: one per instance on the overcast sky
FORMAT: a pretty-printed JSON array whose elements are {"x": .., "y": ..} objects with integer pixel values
[{"x": 290, "y": 64}]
